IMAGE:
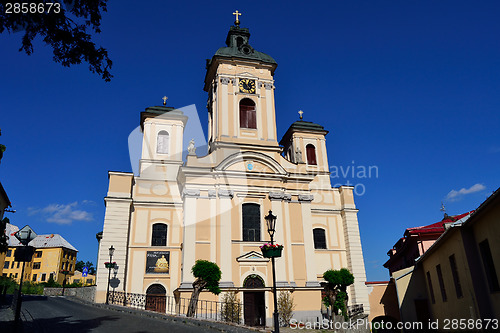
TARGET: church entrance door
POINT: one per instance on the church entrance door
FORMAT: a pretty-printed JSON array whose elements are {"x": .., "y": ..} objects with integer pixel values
[
  {"x": 254, "y": 305},
  {"x": 156, "y": 297}
]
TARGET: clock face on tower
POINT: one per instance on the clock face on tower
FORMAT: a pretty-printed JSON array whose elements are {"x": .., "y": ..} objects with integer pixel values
[{"x": 247, "y": 86}]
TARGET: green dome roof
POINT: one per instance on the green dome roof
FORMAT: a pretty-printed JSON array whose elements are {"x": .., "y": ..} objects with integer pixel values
[{"x": 238, "y": 47}]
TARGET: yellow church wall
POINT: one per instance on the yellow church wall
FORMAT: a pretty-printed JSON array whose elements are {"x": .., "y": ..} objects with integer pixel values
[
  {"x": 296, "y": 223},
  {"x": 119, "y": 183}
]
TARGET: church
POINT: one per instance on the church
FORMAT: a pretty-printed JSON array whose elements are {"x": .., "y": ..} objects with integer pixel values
[{"x": 181, "y": 209}]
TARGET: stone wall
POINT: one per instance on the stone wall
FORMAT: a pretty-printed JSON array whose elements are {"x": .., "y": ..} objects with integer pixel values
[{"x": 85, "y": 293}]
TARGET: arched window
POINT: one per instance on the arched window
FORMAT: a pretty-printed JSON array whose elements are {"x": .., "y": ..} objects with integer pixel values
[
  {"x": 248, "y": 115},
  {"x": 162, "y": 142},
  {"x": 251, "y": 222},
  {"x": 311, "y": 154},
  {"x": 253, "y": 281},
  {"x": 319, "y": 238},
  {"x": 159, "y": 235}
]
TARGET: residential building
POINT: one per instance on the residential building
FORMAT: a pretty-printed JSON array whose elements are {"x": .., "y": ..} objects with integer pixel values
[
  {"x": 88, "y": 280},
  {"x": 457, "y": 277},
  {"x": 416, "y": 241},
  {"x": 53, "y": 255},
  {"x": 212, "y": 207}
]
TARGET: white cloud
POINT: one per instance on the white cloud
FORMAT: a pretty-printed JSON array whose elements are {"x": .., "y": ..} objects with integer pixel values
[
  {"x": 455, "y": 195},
  {"x": 62, "y": 214}
]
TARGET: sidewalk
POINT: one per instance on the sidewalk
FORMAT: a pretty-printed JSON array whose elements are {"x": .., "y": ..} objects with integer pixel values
[{"x": 6, "y": 315}]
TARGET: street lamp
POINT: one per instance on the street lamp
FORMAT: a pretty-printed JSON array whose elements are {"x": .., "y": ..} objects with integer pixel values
[
  {"x": 109, "y": 267},
  {"x": 24, "y": 253},
  {"x": 271, "y": 228}
]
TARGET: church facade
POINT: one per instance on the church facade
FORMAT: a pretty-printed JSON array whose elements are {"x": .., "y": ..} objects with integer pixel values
[{"x": 212, "y": 207}]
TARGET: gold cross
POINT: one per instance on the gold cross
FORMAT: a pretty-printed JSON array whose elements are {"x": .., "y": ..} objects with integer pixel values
[
  {"x": 237, "y": 14},
  {"x": 164, "y": 100},
  {"x": 300, "y": 114}
]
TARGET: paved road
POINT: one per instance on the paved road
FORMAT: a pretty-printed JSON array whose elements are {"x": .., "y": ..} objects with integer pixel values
[{"x": 58, "y": 314}]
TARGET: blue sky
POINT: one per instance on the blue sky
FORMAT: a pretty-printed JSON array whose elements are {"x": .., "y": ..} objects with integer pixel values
[{"x": 411, "y": 88}]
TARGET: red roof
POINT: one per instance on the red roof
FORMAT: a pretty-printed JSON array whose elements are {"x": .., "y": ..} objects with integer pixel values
[{"x": 437, "y": 227}]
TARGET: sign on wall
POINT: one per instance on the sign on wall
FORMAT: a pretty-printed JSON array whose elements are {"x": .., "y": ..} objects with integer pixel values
[{"x": 157, "y": 262}]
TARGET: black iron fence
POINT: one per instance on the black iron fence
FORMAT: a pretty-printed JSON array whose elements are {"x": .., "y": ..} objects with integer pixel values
[
  {"x": 212, "y": 310},
  {"x": 355, "y": 309}
]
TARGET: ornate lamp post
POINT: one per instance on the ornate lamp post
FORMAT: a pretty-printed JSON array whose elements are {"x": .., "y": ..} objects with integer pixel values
[
  {"x": 271, "y": 228},
  {"x": 109, "y": 266},
  {"x": 24, "y": 253}
]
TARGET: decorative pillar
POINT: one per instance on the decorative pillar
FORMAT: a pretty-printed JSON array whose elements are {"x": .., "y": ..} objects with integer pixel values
[
  {"x": 277, "y": 208},
  {"x": 225, "y": 246},
  {"x": 189, "y": 240},
  {"x": 305, "y": 203}
]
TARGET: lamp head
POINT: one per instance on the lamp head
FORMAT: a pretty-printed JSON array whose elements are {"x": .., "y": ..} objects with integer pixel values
[
  {"x": 111, "y": 251},
  {"x": 271, "y": 223}
]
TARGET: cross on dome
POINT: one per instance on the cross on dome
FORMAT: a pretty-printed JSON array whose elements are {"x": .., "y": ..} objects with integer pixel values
[{"x": 237, "y": 14}]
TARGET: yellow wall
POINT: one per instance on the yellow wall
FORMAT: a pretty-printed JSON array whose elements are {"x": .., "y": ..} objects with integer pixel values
[{"x": 52, "y": 261}]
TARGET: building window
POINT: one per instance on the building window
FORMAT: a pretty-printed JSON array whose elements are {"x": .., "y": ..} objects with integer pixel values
[
  {"x": 43, "y": 277},
  {"x": 251, "y": 222},
  {"x": 441, "y": 283},
  {"x": 159, "y": 235},
  {"x": 489, "y": 266},
  {"x": 311, "y": 154},
  {"x": 431, "y": 290},
  {"x": 162, "y": 142},
  {"x": 18, "y": 264},
  {"x": 456, "y": 279},
  {"x": 13, "y": 263},
  {"x": 9, "y": 253},
  {"x": 248, "y": 114},
  {"x": 36, "y": 265},
  {"x": 38, "y": 254},
  {"x": 15, "y": 276},
  {"x": 51, "y": 276},
  {"x": 89, "y": 281},
  {"x": 6, "y": 264},
  {"x": 319, "y": 238},
  {"x": 34, "y": 278}
]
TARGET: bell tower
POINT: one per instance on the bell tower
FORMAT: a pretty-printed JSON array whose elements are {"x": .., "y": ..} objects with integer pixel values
[{"x": 240, "y": 86}]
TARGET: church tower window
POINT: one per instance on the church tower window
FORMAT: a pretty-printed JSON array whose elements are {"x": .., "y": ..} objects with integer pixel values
[
  {"x": 248, "y": 114},
  {"x": 159, "y": 235},
  {"x": 311, "y": 154},
  {"x": 162, "y": 142},
  {"x": 319, "y": 238},
  {"x": 251, "y": 222}
]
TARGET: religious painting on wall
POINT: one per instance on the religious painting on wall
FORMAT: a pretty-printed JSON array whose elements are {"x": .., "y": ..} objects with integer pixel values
[{"x": 157, "y": 262}]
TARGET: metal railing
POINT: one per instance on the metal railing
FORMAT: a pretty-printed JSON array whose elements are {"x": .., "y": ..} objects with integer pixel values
[
  {"x": 355, "y": 309},
  {"x": 211, "y": 310}
]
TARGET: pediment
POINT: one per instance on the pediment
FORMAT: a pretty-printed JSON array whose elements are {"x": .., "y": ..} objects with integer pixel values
[
  {"x": 251, "y": 162},
  {"x": 252, "y": 256}
]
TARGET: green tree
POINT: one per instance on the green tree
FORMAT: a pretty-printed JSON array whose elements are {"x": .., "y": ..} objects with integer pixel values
[
  {"x": 2, "y": 147},
  {"x": 207, "y": 276},
  {"x": 336, "y": 289},
  {"x": 81, "y": 264},
  {"x": 65, "y": 28}
]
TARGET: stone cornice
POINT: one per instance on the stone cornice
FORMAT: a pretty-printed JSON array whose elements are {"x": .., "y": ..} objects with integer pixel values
[
  {"x": 306, "y": 197},
  {"x": 228, "y": 194},
  {"x": 190, "y": 193}
]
